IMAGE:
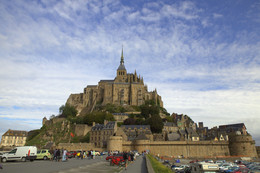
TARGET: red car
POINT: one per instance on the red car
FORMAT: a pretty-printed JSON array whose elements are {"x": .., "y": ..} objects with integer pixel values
[
  {"x": 241, "y": 170},
  {"x": 69, "y": 155},
  {"x": 73, "y": 153},
  {"x": 120, "y": 156},
  {"x": 194, "y": 161}
]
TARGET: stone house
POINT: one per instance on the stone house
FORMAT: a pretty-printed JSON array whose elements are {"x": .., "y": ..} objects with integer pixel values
[
  {"x": 100, "y": 133},
  {"x": 14, "y": 138},
  {"x": 133, "y": 131}
]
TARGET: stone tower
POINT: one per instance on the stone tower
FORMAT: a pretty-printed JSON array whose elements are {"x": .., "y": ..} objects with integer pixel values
[{"x": 242, "y": 145}]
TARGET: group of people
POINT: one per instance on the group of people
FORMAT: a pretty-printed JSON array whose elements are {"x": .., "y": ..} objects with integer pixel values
[{"x": 60, "y": 155}]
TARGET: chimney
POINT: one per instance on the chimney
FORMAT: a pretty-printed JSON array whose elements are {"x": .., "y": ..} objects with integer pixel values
[
  {"x": 105, "y": 122},
  {"x": 93, "y": 124},
  {"x": 200, "y": 125}
]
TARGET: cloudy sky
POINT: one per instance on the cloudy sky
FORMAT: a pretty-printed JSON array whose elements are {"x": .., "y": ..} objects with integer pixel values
[{"x": 203, "y": 57}]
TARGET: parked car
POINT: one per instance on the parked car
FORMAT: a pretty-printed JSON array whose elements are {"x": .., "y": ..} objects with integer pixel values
[
  {"x": 69, "y": 155},
  {"x": 21, "y": 153},
  {"x": 181, "y": 167},
  {"x": 44, "y": 154},
  {"x": 194, "y": 161},
  {"x": 231, "y": 169},
  {"x": 241, "y": 170},
  {"x": 73, "y": 153},
  {"x": 209, "y": 161},
  {"x": 219, "y": 162},
  {"x": 104, "y": 153},
  {"x": 225, "y": 166},
  {"x": 115, "y": 156}
]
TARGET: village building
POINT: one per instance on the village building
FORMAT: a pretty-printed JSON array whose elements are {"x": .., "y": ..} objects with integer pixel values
[
  {"x": 100, "y": 133},
  {"x": 14, "y": 138}
]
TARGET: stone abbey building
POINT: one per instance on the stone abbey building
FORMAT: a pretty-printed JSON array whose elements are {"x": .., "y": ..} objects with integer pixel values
[{"x": 125, "y": 89}]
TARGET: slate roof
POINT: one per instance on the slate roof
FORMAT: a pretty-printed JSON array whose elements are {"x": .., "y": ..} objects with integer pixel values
[
  {"x": 173, "y": 136},
  {"x": 109, "y": 126},
  {"x": 191, "y": 132},
  {"x": 171, "y": 124},
  {"x": 132, "y": 127},
  {"x": 121, "y": 67},
  {"x": 16, "y": 133},
  {"x": 238, "y": 126}
]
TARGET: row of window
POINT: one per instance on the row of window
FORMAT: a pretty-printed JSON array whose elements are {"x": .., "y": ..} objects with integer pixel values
[
  {"x": 121, "y": 73},
  {"x": 104, "y": 133},
  {"x": 13, "y": 137},
  {"x": 13, "y": 141}
]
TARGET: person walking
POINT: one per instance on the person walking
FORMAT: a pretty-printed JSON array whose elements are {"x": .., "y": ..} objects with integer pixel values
[
  {"x": 55, "y": 155},
  {"x": 64, "y": 156},
  {"x": 125, "y": 158},
  {"x": 58, "y": 155}
]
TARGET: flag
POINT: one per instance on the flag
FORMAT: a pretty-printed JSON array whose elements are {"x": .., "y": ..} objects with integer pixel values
[{"x": 71, "y": 134}]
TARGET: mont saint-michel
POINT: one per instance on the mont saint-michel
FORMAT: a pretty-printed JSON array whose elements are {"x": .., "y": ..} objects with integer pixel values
[
  {"x": 125, "y": 89},
  {"x": 122, "y": 115}
]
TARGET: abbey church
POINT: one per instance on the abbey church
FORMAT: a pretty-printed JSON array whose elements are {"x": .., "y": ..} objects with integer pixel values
[{"x": 125, "y": 89}]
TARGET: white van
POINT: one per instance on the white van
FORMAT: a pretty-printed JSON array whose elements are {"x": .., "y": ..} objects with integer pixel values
[
  {"x": 204, "y": 167},
  {"x": 21, "y": 153}
]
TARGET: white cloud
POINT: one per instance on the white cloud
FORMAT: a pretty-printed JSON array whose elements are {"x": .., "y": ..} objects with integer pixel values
[{"x": 50, "y": 50}]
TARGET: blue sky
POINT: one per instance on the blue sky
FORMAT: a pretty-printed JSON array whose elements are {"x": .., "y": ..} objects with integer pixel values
[{"x": 203, "y": 57}]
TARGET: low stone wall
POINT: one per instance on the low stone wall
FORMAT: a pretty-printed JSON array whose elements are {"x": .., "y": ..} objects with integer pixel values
[
  {"x": 77, "y": 146},
  {"x": 148, "y": 165}
]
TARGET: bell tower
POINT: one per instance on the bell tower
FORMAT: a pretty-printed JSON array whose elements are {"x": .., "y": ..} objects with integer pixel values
[{"x": 121, "y": 71}]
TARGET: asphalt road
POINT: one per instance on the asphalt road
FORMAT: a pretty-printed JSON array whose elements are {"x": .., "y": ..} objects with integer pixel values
[{"x": 72, "y": 165}]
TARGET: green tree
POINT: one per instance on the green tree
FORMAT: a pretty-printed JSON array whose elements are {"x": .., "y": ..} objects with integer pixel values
[
  {"x": 68, "y": 111},
  {"x": 155, "y": 123},
  {"x": 130, "y": 121},
  {"x": 169, "y": 118},
  {"x": 147, "y": 110}
]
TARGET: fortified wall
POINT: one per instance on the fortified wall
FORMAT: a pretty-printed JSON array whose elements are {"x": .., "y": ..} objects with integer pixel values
[
  {"x": 172, "y": 148},
  {"x": 239, "y": 145}
]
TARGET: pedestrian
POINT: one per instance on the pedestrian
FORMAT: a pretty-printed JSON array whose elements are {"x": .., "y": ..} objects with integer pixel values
[
  {"x": 125, "y": 158},
  {"x": 1, "y": 167},
  {"x": 55, "y": 155},
  {"x": 52, "y": 153},
  {"x": 64, "y": 156},
  {"x": 84, "y": 154},
  {"x": 91, "y": 154},
  {"x": 81, "y": 154},
  {"x": 58, "y": 155},
  {"x": 132, "y": 156}
]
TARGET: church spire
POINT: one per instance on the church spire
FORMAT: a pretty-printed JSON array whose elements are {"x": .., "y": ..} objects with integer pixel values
[{"x": 122, "y": 57}]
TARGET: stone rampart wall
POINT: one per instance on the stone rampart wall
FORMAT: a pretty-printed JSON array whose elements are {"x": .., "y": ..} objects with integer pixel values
[
  {"x": 180, "y": 148},
  {"x": 258, "y": 150}
]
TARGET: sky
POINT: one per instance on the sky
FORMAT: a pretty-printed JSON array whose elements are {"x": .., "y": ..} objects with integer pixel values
[{"x": 203, "y": 57}]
